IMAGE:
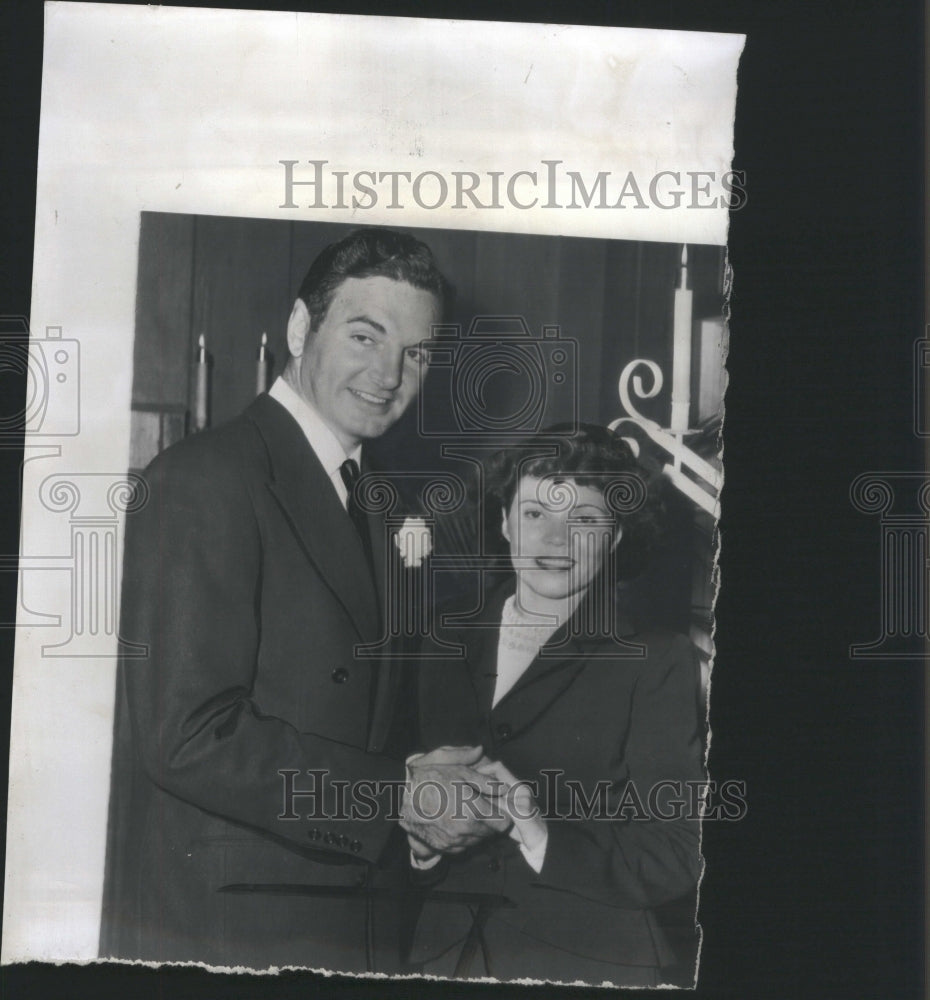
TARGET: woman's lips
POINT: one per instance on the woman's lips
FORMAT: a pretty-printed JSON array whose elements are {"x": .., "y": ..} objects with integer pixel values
[{"x": 554, "y": 562}]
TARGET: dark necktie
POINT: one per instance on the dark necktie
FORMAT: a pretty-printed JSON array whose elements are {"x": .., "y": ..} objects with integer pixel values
[
  {"x": 350, "y": 475},
  {"x": 380, "y": 691}
]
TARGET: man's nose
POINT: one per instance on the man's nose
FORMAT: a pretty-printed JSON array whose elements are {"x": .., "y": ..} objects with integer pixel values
[{"x": 388, "y": 369}]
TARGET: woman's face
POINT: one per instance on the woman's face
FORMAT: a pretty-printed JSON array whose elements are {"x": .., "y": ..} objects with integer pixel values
[{"x": 560, "y": 534}]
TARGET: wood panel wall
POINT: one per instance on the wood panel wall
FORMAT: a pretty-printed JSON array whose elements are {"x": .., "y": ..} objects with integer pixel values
[{"x": 231, "y": 279}]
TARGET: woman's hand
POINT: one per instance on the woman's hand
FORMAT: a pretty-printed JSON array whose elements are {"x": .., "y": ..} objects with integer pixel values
[{"x": 516, "y": 800}]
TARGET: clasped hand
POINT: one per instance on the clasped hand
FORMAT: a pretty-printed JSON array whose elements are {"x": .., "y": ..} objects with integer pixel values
[
  {"x": 456, "y": 797},
  {"x": 453, "y": 801}
]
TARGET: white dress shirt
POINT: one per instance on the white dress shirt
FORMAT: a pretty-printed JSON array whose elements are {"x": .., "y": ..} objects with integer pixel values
[{"x": 322, "y": 440}]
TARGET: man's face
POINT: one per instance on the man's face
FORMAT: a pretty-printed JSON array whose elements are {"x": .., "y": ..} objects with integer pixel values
[
  {"x": 363, "y": 366},
  {"x": 560, "y": 534}
]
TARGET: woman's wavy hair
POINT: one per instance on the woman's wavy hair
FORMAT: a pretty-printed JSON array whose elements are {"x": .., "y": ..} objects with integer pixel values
[{"x": 589, "y": 455}]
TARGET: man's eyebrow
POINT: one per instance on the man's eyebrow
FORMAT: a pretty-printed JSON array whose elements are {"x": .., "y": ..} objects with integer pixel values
[{"x": 368, "y": 321}]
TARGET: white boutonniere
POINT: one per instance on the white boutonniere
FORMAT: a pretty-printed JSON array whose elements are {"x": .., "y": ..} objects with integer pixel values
[{"x": 414, "y": 541}]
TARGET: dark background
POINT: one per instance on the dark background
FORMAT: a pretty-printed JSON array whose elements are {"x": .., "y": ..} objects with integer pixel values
[
  {"x": 819, "y": 891},
  {"x": 232, "y": 279}
]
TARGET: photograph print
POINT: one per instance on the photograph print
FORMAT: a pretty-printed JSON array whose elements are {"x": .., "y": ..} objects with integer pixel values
[
  {"x": 417, "y": 602},
  {"x": 367, "y": 562}
]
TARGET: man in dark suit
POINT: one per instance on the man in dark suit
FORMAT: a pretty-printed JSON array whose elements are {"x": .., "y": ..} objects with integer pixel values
[{"x": 252, "y": 801}]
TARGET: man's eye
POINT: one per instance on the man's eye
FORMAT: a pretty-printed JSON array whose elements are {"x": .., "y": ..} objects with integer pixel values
[
  {"x": 362, "y": 338},
  {"x": 418, "y": 355}
]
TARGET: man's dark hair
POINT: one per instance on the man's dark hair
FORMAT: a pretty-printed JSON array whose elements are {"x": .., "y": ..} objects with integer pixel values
[
  {"x": 589, "y": 455},
  {"x": 368, "y": 253}
]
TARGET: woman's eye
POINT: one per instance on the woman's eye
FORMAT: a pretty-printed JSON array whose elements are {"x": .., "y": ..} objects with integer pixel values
[
  {"x": 532, "y": 515},
  {"x": 591, "y": 517}
]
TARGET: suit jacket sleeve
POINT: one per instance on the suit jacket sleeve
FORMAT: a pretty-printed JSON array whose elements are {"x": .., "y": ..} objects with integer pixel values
[
  {"x": 193, "y": 568},
  {"x": 640, "y": 859}
]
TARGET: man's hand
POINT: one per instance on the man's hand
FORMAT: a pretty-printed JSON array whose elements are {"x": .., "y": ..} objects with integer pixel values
[
  {"x": 422, "y": 853},
  {"x": 448, "y": 804}
]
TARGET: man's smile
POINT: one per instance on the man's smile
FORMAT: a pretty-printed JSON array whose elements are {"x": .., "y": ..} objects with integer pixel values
[{"x": 370, "y": 398}]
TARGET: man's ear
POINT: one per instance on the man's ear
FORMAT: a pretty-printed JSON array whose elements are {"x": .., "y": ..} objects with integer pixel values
[{"x": 298, "y": 326}]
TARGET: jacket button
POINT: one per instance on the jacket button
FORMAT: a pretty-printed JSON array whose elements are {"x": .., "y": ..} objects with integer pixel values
[
  {"x": 494, "y": 865},
  {"x": 504, "y": 731},
  {"x": 314, "y": 834},
  {"x": 355, "y": 846},
  {"x": 330, "y": 838},
  {"x": 340, "y": 675},
  {"x": 342, "y": 840}
]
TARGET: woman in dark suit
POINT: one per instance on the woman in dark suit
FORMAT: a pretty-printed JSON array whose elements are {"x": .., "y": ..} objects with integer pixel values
[{"x": 592, "y": 733}]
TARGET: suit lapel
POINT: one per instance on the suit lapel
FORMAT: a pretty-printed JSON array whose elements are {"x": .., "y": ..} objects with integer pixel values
[
  {"x": 379, "y": 542},
  {"x": 306, "y": 495},
  {"x": 541, "y": 684},
  {"x": 481, "y": 642},
  {"x": 482, "y": 664},
  {"x": 554, "y": 669},
  {"x": 387, "y": 672}
]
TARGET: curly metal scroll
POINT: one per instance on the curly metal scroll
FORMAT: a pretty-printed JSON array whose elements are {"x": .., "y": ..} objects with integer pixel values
[{"x": 627, "y": 376}]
